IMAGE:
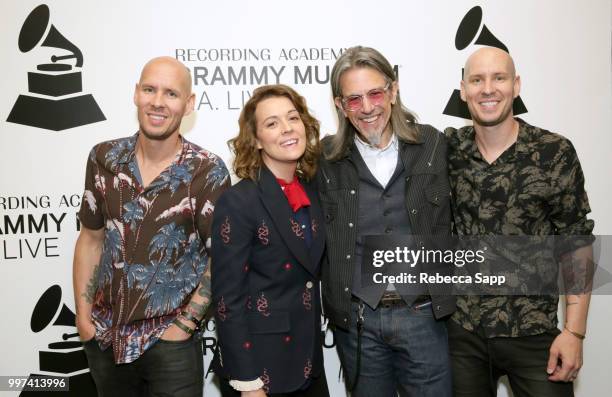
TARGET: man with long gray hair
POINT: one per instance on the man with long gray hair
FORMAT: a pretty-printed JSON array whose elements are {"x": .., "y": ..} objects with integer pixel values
[{"x": 382, "y": 175}]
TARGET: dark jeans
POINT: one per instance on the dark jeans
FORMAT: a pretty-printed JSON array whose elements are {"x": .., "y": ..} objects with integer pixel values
[
  {"x": 478, "y": 363},
  {"x": 168, "y": 369},
  {"x": 317, "y": 388},
  {"x": 403, "y": 350}
]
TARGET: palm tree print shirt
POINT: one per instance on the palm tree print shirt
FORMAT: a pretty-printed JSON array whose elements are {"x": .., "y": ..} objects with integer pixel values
[{"x": 156, "y": 239}]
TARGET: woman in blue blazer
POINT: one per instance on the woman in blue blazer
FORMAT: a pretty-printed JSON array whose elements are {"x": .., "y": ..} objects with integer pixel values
[{"x": 267, "y": 246}]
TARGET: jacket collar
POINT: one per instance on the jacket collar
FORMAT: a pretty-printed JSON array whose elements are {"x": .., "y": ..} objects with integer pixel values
[
  {"x": 276, "y": 205},
  {"x": 352, "y": 146},
  {"x": 464, "y": 140}
]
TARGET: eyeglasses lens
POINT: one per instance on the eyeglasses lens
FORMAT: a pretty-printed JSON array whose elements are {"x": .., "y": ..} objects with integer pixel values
[{"x": 355, "y": 102}]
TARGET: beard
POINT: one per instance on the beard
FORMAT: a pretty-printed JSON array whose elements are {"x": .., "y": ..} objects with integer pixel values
[
  {"x": 504, "y": 115},
  {"x": 374, "y": 138},
  {"x": 157, "y": 134},
  {"x": 158, "y": 137}
]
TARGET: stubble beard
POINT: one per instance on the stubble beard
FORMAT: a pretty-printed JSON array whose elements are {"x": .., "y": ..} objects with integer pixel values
[
  {"x": 157, "y": 137},
  {"x": 506, "y": 113}
]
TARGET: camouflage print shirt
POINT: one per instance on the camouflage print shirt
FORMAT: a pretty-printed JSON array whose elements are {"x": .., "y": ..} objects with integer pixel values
[
  {"x": 534, "y": 188},
  {"x": 156, "y": 240}
]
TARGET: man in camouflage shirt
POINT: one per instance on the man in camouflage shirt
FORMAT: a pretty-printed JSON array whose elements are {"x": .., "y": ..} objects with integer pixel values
[
  {"x": 509, "y": 178},
  {"x": 141, "y": 280}
]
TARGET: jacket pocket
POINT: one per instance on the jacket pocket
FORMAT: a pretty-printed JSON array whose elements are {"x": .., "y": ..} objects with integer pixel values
[
  {"x": 330, "y": 211},
  {"x": 275, "y": 323},
  {"x": 437, "y": 194}
]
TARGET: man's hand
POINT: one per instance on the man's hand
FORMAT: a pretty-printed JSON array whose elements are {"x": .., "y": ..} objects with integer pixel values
[
  {"x": 254, "y": 393},
  {"x": 565, "y": 358},
  {"x": 86, "y": 328},
  {"x": 174, "y": 333}
]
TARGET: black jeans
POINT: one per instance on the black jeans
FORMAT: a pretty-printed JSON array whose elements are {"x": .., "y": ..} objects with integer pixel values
[
  {"x": 168, "y": 369},
  {"x": 479, "y": 362}
]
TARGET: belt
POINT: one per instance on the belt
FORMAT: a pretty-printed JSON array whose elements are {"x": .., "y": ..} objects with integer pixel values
[{"x": 393, "y": 299}]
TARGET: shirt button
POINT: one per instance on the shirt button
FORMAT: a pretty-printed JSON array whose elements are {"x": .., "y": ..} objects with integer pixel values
[
  {"x": 346, "y": 289},
  {"x": 345, "y": 319},
  {"x": 352, "y": 192},
  {"x": 348, "y": 256},
  {"x": 309, "y": 284},
  {"x": 350, "y": 224},
  {"x": 388, "y": 230},
  {"x": 414, "y": 211},
  {"x": 303, "y": 226}
]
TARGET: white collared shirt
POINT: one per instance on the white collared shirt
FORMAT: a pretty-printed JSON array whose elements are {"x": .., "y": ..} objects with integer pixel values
[{"x": 380, "y": 162}]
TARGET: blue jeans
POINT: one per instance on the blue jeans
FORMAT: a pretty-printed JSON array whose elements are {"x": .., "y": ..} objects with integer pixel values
[{"x": 403, "y": 350}]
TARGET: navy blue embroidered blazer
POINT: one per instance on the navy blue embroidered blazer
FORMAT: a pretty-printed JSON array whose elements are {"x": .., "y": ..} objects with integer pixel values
[{"x": 265, "y": 285}]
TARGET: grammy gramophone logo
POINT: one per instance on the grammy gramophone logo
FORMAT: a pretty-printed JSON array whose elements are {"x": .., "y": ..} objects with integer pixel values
[
  {"x": 59, "y": 102},
  {"x": 65, "y": 358},
  {"x": 468, "y": 30}
]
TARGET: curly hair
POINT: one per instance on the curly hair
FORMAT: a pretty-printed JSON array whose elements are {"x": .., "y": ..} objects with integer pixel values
[{"x": 247, "y": 160}]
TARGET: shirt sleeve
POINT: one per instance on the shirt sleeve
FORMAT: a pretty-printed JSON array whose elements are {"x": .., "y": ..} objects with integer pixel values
[
  {"x": 251, "y": 385},
  {"x": 90, "y": 213},
  {"x": 571, "y": 204},
  {"x": 217, "y": 180}
]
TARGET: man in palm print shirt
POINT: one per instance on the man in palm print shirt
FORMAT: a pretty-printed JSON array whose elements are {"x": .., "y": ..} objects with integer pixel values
[
  {"x": 141, "y": 276},
  {"x": 510, "y": 178}
]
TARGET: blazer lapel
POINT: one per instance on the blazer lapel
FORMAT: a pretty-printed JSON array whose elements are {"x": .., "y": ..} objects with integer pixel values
[{"x": 276, "y": 204}]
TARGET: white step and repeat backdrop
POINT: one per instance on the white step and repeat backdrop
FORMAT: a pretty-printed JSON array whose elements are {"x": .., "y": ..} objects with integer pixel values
[{"x": 561, "y": 48}]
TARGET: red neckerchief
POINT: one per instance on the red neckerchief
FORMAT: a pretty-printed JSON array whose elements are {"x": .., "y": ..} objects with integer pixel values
[{"x": 295, "y": 193}]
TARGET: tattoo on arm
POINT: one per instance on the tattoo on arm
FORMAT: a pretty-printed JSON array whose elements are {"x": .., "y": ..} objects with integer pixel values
[
  {"x": 197, "y": 310},
  {"x": 205, "y": 288},
  {"x": 578, "y": 269},
  {"x": 92, "y": 286}
]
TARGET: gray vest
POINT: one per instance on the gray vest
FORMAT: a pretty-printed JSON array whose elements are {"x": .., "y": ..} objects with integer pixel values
[{"x": 382, "y": 211}]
